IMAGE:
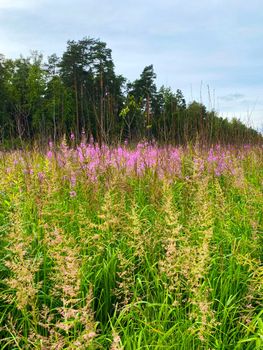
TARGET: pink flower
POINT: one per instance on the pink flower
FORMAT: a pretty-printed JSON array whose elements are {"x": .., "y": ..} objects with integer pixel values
[
  {"x": 73, "y": 180},
  {"x": 72, "y": 194},
  {"x": 41, "y": 176}
]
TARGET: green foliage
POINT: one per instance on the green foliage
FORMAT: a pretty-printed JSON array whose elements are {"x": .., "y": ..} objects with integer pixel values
[
  {"x": 80, "y": 91},
  {"x": 130, "y": 262}
]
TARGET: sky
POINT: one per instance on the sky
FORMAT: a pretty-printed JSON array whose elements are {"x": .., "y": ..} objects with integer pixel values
[{"x": 210, "y": 49}]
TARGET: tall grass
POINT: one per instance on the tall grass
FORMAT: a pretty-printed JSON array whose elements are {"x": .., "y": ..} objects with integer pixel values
[{"x": 131, "y": 248}]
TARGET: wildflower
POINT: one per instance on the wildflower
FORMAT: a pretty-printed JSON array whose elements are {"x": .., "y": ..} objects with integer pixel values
[
  {"x": 72, "y": 194},
  {"x": 73, "y": 180},
  {"x": 41, "y": 176}
]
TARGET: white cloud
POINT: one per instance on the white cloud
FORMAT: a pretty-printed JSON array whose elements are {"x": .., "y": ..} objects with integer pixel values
[{"x": 18, "y": 4}]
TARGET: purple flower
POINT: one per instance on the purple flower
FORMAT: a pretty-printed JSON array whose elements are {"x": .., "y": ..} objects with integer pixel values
[
  {"x": 41, "y": 176},
  {"x": 73, "y": 180}
]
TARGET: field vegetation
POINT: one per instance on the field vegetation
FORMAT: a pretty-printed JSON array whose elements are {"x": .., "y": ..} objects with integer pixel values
[{"x": 131, "y": 247}]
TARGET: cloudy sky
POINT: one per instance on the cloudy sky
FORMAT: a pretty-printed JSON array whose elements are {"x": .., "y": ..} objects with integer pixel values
[{"x": 210, "y": 49}]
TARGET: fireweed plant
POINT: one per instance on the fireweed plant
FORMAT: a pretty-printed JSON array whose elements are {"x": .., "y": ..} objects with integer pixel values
[{"x": 143, "y": 247}]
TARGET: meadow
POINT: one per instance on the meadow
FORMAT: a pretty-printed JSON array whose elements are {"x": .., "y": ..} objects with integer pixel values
[{"x": 131, "y": 247}]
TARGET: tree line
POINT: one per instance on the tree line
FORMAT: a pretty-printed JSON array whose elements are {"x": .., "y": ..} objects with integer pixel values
[{"x": 80, "y": 92}]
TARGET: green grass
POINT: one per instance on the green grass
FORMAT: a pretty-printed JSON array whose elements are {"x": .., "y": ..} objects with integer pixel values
[{"x": 130, "y": 262}]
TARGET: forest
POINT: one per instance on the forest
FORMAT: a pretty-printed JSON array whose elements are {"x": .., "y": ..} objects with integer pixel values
[{"x": 80, "y": 92}]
